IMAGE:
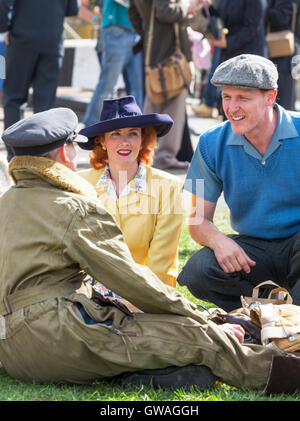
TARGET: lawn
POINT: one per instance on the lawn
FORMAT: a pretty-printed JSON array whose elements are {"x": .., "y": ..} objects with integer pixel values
[{"x": 13, "y": 390}]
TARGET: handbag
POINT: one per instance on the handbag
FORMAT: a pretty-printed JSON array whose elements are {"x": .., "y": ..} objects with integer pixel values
[
  {"x": 282, "y": 43},
  {"x": 171, "y": 76}
]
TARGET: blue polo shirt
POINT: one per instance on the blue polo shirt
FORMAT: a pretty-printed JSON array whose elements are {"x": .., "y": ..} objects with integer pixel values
[{"x": 262, "y": 192}]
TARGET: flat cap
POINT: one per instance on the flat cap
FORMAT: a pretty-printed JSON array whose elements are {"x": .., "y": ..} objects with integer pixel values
[
  {"x": 43, "y": 132},
  {"x": 246, "y": 71}
]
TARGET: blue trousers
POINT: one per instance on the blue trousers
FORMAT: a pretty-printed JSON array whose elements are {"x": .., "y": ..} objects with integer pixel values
[{"x": 117, "y": 54}]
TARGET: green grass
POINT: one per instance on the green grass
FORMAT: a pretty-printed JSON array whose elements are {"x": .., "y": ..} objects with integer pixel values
[{"x": 14, "y": 390}]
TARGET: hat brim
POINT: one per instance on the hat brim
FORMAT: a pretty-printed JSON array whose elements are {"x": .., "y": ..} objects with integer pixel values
[
  {"x": 238, "y": 85},
  {"x": 162, "y": 123}
]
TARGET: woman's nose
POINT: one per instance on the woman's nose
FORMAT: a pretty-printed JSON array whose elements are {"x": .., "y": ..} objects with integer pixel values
[{"x": 125, "y": 139}]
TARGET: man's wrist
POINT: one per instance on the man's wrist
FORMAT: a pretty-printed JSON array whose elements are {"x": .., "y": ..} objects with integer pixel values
[{"x": 215, "y": 238}]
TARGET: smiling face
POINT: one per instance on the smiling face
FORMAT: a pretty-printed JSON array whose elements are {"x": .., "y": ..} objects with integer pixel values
[
  {"x": 123, "y": 145},
  {"x": 247, "y": 109}
]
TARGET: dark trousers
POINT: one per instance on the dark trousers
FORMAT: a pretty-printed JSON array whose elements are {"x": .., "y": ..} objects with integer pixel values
[
  {"x": 276, "y": 260},
  {"x": 25, "y": 68},
  {"x": 286, "y": 96},
  {"x": 186, "y": 150}
]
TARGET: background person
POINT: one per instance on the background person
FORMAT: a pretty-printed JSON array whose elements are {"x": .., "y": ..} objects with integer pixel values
[
  {"x": 2, "y": 53},
  {"x": 278, "y": 18},
  {"x": 34, "y": 54},
  {"x": 245, "y": 34},
  {"x": 166, "y": 14},
  {"x": 117, "y": 41},
  {"x": 145, "y": 202},
  {"x": 244, "y": 22},
  {"x": 91, "y": 15}
]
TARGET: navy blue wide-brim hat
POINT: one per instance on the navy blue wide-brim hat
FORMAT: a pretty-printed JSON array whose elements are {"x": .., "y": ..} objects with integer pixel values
[{"x": 123, "y": 113}]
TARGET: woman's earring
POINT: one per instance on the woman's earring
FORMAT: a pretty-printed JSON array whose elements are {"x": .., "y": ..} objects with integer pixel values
[{"x": 104, "y": 147}]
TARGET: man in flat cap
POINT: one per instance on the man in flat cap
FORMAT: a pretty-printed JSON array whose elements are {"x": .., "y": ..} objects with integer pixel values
[
  {"x": 253, "y": 159},
  {"x": 56, "y": 326}
]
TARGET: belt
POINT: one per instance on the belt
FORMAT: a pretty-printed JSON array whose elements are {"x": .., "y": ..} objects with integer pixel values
[{"x": 32, "y": 295}]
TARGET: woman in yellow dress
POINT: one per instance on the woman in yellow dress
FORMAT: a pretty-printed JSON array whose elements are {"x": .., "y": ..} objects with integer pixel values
[{"x": 145, "y": 202}]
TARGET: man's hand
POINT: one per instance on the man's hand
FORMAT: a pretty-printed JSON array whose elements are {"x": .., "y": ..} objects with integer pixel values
[
  {"x": 234, "y": 330},
  {"x": 6, "y": 38},
  {"x": 221, "y": 43},
  {"x": 231, "y": 257}
]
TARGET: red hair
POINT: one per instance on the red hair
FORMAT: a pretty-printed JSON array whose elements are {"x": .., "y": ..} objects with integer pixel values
[{"x": 99, "y": 158}]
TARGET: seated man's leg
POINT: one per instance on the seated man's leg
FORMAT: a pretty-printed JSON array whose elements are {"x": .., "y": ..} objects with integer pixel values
[
  {"x": 188, "y": 343},
  {"x": 207, "y": 281}
]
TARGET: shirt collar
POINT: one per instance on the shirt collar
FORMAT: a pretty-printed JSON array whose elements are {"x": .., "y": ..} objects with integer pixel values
[
  {"x": 139, "y": 183},
  {"x": 285, "y": 130}
]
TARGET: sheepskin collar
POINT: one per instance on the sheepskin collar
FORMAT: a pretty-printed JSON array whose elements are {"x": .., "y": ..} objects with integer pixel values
[{"x": 52, "y": 172}]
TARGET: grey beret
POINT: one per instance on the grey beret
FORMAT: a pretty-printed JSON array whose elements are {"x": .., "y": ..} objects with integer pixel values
[
  {"x": 43, "y": 132},
  {"x": 246, "y": 71}
]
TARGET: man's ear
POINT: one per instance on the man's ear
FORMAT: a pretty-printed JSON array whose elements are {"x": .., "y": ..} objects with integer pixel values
[
  {"x": 271, "y": 97},
  {"x": 63, "y": 154}
]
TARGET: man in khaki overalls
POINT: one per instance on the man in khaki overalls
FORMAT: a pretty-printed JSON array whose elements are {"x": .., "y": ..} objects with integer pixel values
[{"x": 53, "y": 328}]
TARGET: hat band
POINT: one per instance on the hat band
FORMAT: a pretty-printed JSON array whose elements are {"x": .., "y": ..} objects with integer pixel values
[{"x": 42, "y": 149}]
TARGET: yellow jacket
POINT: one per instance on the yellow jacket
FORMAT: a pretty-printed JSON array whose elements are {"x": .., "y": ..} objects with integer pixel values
[{"x": 149, "y": 215}]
